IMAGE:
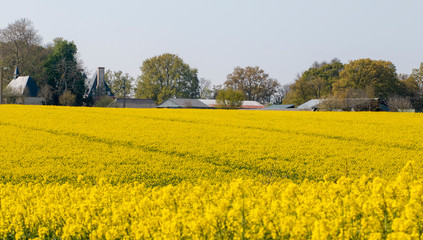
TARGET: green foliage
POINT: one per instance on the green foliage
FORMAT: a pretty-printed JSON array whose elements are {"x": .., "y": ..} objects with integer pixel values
[
  {"x": 316, "y": 82},
  {"x": 116, "y": 80},
  {"x": 63, "y": 71},
  {"x": 229, "y": 98},
  {"x": 167, "y": 76},
  {"x": 67, "y": 98},
  {"x": 412, "y": 87},
  {"x": 253, "y": 82},
  {"x": 104, "y": 101},
  {"x": 364, "y": 74}
]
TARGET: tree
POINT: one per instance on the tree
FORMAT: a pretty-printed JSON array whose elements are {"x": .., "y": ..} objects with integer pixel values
[
  {"x": 253, "y": 82},
  {"x": 412, "y": 86},
  {"x": 116, "y": 80},
  {"x": 368, "y": 74},
  {"x": 20, "y": 45},
  {"x": 229, "y": 98},
  {"x": 316, "y": 82},
  {"x": 281, "y": 94},
  {"x": 64, "y": 72},
  {"x": 67, "y": 98},
  {"x": 206, "y": 91},
  {"x": 395, "y": 103},
  {"x": 215, "y": 90},
  {"x": 167, "y": 76}
]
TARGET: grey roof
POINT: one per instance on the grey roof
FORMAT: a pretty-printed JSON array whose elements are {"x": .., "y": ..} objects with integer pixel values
[
  {"x": 135, "y": 103},
  {"x": 22, "y": 86},
  {"x": 92, "y": 85},
  {"x": 313, "y": 103},
  {"x": 280, "y": 107},
  {"x": 349, "y": 102},
  {"x": 212, "y": 103},
  {"x": 183, "y": 103}
]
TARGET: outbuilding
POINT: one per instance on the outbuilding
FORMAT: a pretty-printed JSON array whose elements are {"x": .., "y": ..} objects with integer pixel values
[
  {"x": 183, "y": 103},
  {"x": 135, "y": 103},
  {"x": 22, "y": 90}
]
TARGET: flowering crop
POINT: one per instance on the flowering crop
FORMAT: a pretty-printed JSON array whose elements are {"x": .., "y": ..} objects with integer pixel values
[
  {"x": 76, "y": 173},
  {"x": 359, "y": 208},
  {"x": 162, "y": 146}
]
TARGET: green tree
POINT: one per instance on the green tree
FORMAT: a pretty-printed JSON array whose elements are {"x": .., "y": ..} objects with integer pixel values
[
  {"x": 253, "y": 82},
  {"x": 116, "y": 80},
  {"x": 316, "y": 82},
  {"x": 64, "y": 72},
  {"x": 229, "y": 98},
  {"x": 167, "y": 76},
  {"x": 377, "y": 78},
  {"x": 412, "y": 87}
]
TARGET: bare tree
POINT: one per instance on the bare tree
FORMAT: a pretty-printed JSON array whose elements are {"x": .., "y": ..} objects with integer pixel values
[
  {"x": 253, "y": 82},
  {"x": 206, "y": 91},
  {"x": 281, "y": 93},
  {"x": 396, "y": 103},
  {"x": 19, "y": 41}
]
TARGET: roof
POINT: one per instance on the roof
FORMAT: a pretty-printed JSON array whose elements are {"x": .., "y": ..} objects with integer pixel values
[
  {"x": 349, "y": 102},
  {"x": 280, "y": 107},
  {"x": 183, "y": 103},
  {"x": 135, "y": 103},
  {"x": 22, "y": 86},
  {"x": 245, "y": 104},
  {"x": 313, "y": 103},
  {"x": 92, "y": 85}
]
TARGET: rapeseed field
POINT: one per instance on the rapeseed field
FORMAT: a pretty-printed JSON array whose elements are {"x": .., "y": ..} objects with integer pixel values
[{"x": 78, "y": 173}]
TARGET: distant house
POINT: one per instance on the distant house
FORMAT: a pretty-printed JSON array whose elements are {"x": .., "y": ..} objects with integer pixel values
[
  {"x": 347, "y": 104},
  {"x": 183, "y": 103},
  {"x": 135, "y": 103},
  {"x": 22, "y": 90},
  {"x": 280, "y": 107},
  {"x": 212, "y": 103},
  {"x": 97, "y": 86}
]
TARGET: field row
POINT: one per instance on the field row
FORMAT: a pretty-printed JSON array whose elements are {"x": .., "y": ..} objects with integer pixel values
[
  {"x": 359, "y": 208},
  {"x": 160, "y": 147}
]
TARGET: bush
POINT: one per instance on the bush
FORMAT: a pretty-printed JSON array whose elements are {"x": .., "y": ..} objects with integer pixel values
[
  {"x": 67, "y": 98},
  {"x": 396, "y": 103},
  {"x": 229, "y": 98},
  {"x": 104, "y": 101}
]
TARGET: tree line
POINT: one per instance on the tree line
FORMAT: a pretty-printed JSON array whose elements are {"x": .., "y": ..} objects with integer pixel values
[
  {"x": 362, "y": 78},
  {"x": 61, "y": 77}
]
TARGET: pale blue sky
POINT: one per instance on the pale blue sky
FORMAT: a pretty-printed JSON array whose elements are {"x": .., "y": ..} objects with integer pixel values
[{"x": 282, "y": 37}]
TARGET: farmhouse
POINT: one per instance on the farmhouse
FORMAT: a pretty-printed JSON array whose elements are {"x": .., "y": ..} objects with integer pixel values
[
  {"x": 97, "y": 86},
  {"x": 22, "y": 90}
]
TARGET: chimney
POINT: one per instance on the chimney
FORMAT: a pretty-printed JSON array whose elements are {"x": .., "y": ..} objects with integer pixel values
[
  {"x": 100, "y": 77},
  {"x": 16, "y": 73}
]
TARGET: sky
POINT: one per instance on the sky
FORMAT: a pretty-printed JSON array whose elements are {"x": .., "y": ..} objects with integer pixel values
[{"x": 283, "y": 38}]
